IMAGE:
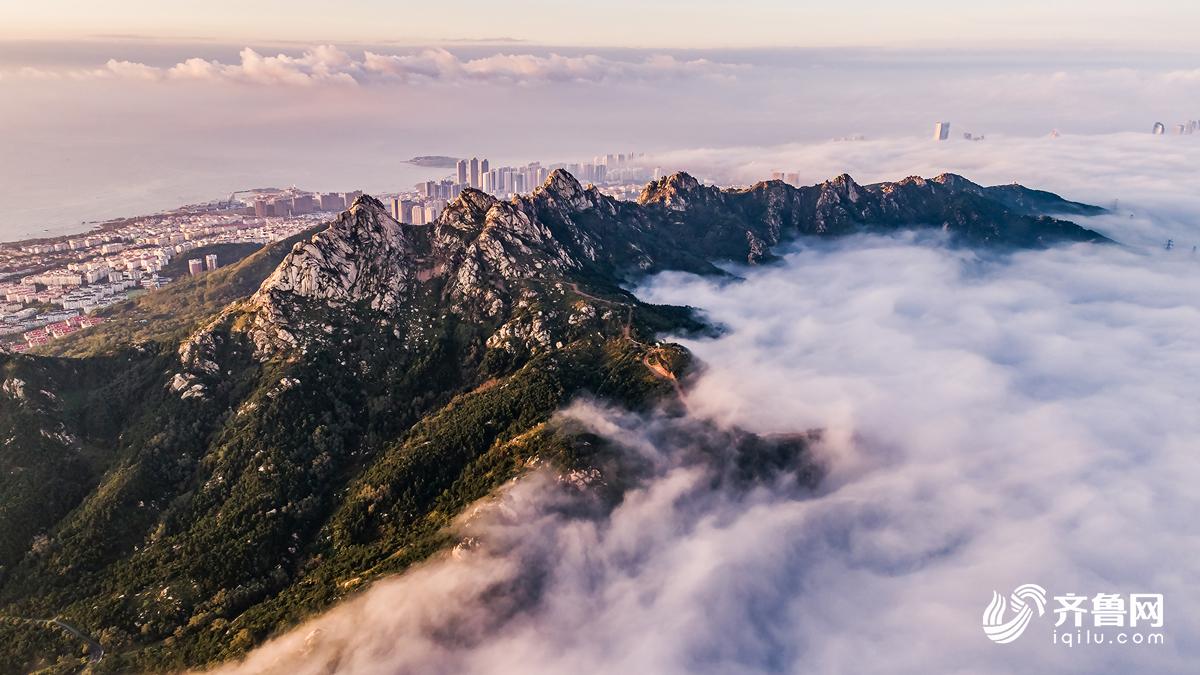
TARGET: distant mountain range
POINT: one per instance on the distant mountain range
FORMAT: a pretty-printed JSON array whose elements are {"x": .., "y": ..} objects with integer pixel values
[{"x": 239, "y": 450}]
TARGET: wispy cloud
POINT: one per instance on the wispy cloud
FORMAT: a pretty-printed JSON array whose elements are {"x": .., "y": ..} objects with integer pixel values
[{"x": 328, "y": 64}]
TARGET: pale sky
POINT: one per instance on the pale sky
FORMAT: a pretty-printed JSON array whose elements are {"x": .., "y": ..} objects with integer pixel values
[
  {"x": 128, "y": 106},
  {"x": 1157, "y": 24}
]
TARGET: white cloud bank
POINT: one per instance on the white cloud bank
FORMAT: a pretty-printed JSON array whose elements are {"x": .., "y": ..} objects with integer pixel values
[
  {"x": 989, "y": 422},
  {"x": 328, "y": 64}
]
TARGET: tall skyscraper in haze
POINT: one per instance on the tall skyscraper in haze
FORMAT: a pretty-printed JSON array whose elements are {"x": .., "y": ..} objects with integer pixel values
[
  {"x": 402, "y": 210},
  {"x": 474, "y": 177},
  {"x": 941, "y": 131},
  {"x": 483, "y": 167},
  {"x": 210, "y": 261},
  {"x": 195, "y": 266},
  {"x": 331, "y": 201},
  {"x": 463, "y": 171},
  {"x": 1159, "y": 129}
]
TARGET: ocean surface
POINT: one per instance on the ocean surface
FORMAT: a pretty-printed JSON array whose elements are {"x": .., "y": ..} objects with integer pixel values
[{"x": 56, "y": 196}]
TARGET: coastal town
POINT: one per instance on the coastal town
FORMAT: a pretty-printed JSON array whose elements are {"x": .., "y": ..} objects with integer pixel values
[
  {"x": 52, "y": 287},
  {"x": 56, "y": 286}
]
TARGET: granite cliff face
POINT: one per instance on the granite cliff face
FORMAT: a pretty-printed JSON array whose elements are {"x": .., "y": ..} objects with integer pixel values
[{"x": 325, "y": 429}]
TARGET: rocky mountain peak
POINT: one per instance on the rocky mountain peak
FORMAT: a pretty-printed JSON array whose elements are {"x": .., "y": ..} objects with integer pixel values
[
  {"x": 562, "y": 188},
  {"x": 675, "y": 191},
  {"x": 841, "y": 188},
  {"x": 956, "y": 182},
  {"x": 363, "y": 256},
  {"x": 365, "y": 201},
  {"x": 467, "y": 210}
]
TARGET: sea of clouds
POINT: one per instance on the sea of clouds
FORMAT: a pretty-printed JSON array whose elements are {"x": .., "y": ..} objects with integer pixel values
[{"x": 988, "y": 421}]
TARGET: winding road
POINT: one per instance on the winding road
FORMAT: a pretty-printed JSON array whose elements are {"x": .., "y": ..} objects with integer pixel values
[{"x": 95, "y": 649}]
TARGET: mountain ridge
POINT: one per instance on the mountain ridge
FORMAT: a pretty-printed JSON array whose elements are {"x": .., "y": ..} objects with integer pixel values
[
  {"x": 324, "y": 429},
  {"x": 537, "y": 236}
]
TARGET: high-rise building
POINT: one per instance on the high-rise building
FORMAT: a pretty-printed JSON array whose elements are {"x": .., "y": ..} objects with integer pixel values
[
  {"x": 195, "y": 266},
  {"x": 261, "y": 208},
  {"x": 792, "y": 179},
  {"x": 463, "y": 171},
  {"x": 402, "y": 210},
  {"x": 332, "y": 201},
  {"x": 486, "y": 185},
  {"x": 777, "y": 175},
  {"x": 417, "y": 216},
  {"x": 483, "y": 167},
  {"x": 210, "y": 262},
  {"x": 941, "y": 131},
  {"x": 302, "y": 204},
  {"x": 349, "y": 197},
  {"x": 434, "y": 209},
  {"x": 474, "y": 175},
  {"x": 1159, "y": 129}
]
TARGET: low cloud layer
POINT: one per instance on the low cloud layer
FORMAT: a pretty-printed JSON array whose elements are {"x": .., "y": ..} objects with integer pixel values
[
  {"x": 327, "y": 64},
  {"x": 988, "y": 422}
]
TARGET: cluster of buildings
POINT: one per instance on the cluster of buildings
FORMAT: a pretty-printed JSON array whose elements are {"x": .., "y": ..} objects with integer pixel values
[
  {"x": 1181, "y": 129},
  {"x": 63, "y": 324},
  {"x": 941, "y": 132},
  {"x": 789, "y": 177},
  {"x": 51, "y": 287},
  {"x": 196, "y": 266},
  {"x": 290, "y": 203},
  {"x": 619, "y": 174},
  {"x": 46, "y": 283}
]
